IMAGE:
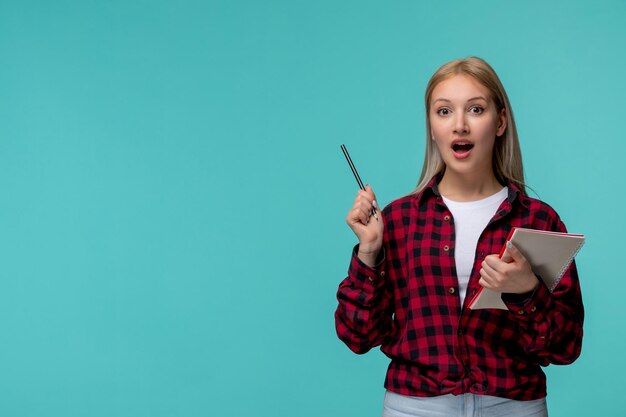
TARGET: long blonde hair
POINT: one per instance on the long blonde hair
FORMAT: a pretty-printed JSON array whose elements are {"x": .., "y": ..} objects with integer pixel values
[{"x": 507, "y": 155}]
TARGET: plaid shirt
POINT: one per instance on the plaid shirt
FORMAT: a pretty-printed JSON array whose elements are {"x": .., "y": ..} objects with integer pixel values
[{"x": 409, "y": 304}]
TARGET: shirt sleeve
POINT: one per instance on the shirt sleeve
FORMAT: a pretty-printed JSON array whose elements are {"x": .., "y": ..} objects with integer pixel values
[
  {"x": 363, "y": 318},
  {"x": 551, "y": 323}
]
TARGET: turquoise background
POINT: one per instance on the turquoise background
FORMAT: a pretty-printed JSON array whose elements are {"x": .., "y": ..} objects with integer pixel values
[{"x": 173, "y": 193}]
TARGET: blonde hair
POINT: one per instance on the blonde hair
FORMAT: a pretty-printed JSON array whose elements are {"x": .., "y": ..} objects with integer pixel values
[{"x": 507, "y": 155}]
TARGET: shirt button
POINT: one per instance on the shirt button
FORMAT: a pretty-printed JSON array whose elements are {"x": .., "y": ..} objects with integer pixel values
[
  {"x": 451, "y": 290},
  {"x": 446, "y": 248},
  {"x": 382, "y": 273},
  {"x": 533, "y": 309},
  {"x": 479, "y": 387},
  {"x": 371, "y": 279},
  {"x": 446, "y": 217},
  {"x": 521, "y": 312}
]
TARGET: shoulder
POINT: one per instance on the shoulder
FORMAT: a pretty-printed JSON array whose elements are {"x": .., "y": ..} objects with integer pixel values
[
  {"x": 403, "y": 203},
  {"x": 537, "y": 206},
  {"x": 542, "y": 213},
  {"x": 398, "y": 213}
]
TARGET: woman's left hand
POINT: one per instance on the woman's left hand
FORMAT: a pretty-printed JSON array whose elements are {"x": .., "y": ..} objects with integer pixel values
[{"x": 512, "y": 274}]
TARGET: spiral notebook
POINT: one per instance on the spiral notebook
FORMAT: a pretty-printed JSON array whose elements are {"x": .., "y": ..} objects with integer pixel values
[{"x": 549, "y": 253}]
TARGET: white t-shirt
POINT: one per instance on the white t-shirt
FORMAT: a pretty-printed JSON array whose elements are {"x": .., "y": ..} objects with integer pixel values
[{"x": 470, "y": 219}]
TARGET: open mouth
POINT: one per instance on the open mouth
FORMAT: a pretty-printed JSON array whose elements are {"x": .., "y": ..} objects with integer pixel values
[{"x": 462, "y": 147}]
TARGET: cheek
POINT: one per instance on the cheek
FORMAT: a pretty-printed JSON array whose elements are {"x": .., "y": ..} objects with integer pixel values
[
  {"x": 486, "y": 128},
  {"x": 439, "y": 142},
  {"x": 437, "y": 128}
]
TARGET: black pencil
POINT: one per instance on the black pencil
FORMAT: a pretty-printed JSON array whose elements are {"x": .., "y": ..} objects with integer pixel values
[{"x": 356, "y": 174}]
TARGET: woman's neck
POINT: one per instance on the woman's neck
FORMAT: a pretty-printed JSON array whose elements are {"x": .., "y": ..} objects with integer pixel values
[{"x": 467, "y": 188}]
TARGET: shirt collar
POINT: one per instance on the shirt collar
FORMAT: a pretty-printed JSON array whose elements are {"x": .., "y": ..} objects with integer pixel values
[
  {"x": 429, "y": 190},
  {"x": 432, "y": 189}
]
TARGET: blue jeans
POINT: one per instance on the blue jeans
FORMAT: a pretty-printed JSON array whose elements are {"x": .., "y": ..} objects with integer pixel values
[{"x": 466, "y": 405}]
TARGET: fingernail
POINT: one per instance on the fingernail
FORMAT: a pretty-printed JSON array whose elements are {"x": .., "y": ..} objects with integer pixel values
[
  {"x": 374, "y": 204},
  {"x": 509, "y": 244}
]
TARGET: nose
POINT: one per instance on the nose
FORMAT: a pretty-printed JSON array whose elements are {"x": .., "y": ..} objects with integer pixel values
[{"x": 460, "y": 123}]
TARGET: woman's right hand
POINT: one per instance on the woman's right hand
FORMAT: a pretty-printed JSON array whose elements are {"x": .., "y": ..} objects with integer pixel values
[{"x": 367, "y": 228}]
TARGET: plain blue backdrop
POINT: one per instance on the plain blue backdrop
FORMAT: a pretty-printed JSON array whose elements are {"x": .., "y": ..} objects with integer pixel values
[{"x": 172, "y": 192}]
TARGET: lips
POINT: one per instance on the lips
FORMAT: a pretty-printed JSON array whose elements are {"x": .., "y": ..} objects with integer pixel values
[{"x": 461, "y": 148}]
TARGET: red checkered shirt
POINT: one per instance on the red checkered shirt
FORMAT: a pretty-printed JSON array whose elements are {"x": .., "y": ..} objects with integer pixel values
[{"x": 409, "y": 304}]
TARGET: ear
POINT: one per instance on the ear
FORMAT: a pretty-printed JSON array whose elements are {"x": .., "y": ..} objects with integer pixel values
[{"x": 501, "y": 123}]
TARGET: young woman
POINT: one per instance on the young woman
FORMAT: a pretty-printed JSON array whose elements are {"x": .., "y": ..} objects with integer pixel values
[{"x": 420, "y": 262}]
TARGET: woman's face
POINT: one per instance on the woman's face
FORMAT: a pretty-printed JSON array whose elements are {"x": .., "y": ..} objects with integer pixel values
[{"x": 465, "y": 123}]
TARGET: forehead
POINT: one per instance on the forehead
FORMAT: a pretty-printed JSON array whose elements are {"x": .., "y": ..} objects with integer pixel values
[{"x": 459, "y": 88}]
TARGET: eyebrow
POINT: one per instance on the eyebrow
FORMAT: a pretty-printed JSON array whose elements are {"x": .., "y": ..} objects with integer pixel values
[{"x": 471, "y": 99}]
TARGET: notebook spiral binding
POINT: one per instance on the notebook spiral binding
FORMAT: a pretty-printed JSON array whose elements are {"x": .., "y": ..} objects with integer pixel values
[{"x": 566, "y": 265}]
